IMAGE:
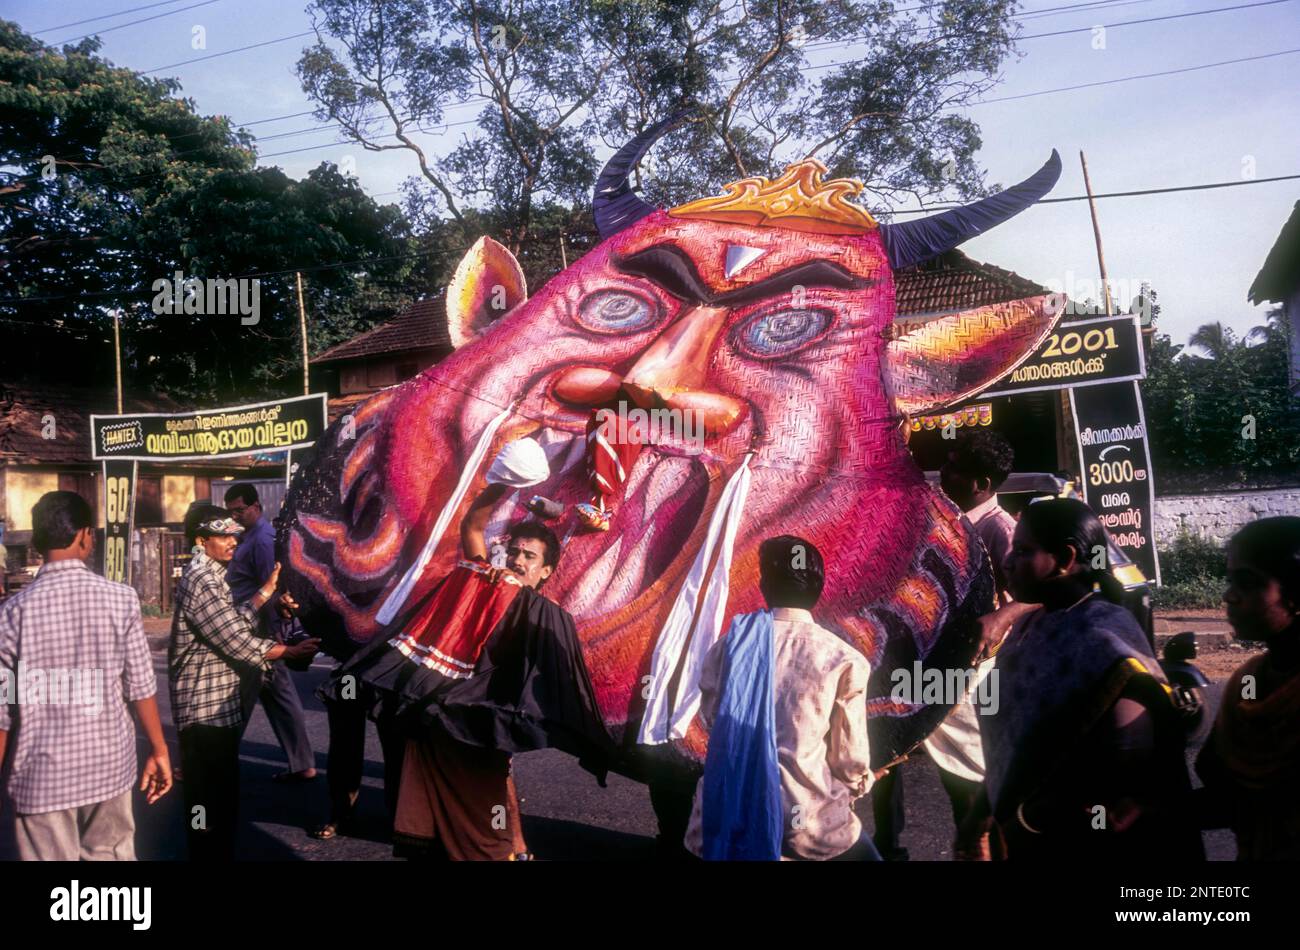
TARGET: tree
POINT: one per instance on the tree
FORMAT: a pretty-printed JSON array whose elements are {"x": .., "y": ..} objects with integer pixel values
[
  {"x": 1275, "y": 330},
  {"x": 1215, "y": 339},
  {"x": 1225, "y": 419},
  {"x": 550, "y": 80},
  {"x": 111, "y": 182}
]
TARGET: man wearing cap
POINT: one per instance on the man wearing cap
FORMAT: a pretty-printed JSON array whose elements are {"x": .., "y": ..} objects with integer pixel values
[{"x": 215, "y": 664}]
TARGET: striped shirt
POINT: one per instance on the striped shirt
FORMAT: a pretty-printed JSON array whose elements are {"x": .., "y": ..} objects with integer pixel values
[
  {"x": 215, "y": 660},
  {"x": 72, "y": 655}
]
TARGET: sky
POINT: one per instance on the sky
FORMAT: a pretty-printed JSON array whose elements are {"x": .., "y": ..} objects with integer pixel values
[{"x": 1199, "y": 250}]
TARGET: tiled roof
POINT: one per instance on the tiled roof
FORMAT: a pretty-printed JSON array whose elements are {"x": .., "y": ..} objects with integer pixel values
[
  {"x": 953, "y": 281},
  {"x": 421, "y": 326},
  {"x": 27, "y": 412},
  {"x": 26, "y": 408}
]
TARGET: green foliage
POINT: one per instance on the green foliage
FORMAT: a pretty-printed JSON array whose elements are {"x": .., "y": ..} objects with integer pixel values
[
  {"x": 139, "y": 187},
  {"x": 1205, "y": 594},
  {"x": 1193, "y": 570},
  {"x": 554, "y": 78},
  {"x": 1193, "y": 558},
  {"x": 1200, "y": 409}
]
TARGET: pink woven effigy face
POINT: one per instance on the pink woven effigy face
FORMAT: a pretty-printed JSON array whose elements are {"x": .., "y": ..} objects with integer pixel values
[{"x": 795, "y": 373}]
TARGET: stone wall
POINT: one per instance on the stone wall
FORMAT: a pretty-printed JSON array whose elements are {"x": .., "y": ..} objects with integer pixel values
[{"x": 1218, "y": 514}]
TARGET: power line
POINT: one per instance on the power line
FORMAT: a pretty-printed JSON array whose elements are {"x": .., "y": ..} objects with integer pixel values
[
  {"x": 1110, "y": 82},
  {"x": 1049, "y": 11},
  {"x": 980, "y": 102},
  {"x": 1082, "y": 29},
  {"x": 1208, "y": 186},
  {"x": 105, "y": 16},
  {"x": 1041, "y": 92},
  {"x": 1045, "y": 13},
  {"x": 1156, "y": 19},
  {"x": 282, "y": 39},
  {"x": 122, "y": 26},
  {"x": 128, "y": 294}
]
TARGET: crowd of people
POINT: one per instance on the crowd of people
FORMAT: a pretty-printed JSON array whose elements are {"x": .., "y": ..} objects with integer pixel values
[{"x": 1083, "y": 756}]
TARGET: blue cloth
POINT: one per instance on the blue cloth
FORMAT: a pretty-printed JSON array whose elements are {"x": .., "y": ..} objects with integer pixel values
[
  {"x": 741, "y": 806},
  {"x": 251, "y": 567}
]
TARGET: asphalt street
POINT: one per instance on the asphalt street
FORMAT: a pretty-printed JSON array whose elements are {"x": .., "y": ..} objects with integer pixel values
[{"x": 567, "y": 816}]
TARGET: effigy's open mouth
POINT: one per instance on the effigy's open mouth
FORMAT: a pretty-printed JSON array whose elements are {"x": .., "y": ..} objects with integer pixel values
[{"x": 601, "y": 572}]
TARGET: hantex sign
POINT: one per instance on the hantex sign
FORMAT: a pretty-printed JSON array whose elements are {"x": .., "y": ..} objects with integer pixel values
[{"x": 278, "y": 426}]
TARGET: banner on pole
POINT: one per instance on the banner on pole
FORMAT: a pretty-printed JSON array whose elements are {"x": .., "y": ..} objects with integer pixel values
[
  {"x": 1110, "y": 429},
  {"x": 283, "y": 424},
  {"x": 119, "y": 518}
]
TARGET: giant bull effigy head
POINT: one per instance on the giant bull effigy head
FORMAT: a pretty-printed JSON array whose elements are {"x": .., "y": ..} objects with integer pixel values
[{"x": 765, "y": 318}]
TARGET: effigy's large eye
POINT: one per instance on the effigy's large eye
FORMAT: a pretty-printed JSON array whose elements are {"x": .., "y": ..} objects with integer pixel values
[
  {"x": 779, "y": 333},
  {"x": 616, "y": 311}
]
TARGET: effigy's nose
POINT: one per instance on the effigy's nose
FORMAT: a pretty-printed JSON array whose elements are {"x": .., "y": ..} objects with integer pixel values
[{"x": 672, "y": 373}]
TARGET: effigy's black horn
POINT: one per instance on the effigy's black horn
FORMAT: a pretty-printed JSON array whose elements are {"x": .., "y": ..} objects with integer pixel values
[
  {"x": 912, "y": 242},
  {"x": 614, "y": 203}
]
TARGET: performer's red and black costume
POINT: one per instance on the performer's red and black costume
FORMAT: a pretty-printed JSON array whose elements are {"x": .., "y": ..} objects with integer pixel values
[{"x": 495, "y": 667}]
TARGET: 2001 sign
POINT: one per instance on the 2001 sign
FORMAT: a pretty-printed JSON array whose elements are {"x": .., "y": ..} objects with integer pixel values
[{"x": 1067, "y": 344}]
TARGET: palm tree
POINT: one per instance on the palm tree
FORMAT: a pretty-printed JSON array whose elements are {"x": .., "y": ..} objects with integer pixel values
[
  {"x": 1215, "y": 339},
  {"x": 1274, "y": 330}
]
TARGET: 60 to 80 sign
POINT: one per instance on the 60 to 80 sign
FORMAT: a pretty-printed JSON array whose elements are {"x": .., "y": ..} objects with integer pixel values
[{"x": 117, "y": 498}]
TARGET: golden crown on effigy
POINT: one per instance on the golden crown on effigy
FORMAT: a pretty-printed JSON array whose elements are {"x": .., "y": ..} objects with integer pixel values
[{"x": 798, "y": 200}]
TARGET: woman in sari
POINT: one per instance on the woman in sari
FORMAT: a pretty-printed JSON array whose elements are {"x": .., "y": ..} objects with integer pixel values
[
  {"x": 1085, "y": 754},
  {"x": 1251, "y": 763}
]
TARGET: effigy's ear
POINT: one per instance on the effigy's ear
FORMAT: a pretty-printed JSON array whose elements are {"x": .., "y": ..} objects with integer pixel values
[
  {"x": 487, "y": 285},
  {"x": 932, "y": 364}
]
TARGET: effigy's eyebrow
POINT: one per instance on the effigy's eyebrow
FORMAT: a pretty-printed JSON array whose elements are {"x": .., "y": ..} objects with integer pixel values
[
  {"x": 807, "y": 274},
  {"x": 671, "y": 268}
]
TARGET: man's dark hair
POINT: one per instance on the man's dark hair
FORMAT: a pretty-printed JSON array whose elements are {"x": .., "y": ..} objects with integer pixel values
[
  {"x": 792, "y": 572},
  {"x": 56, "y": 519},
  {"x": 244, "y": 492},
  {"x": 1272, "y": 545},
  {"x": 983, "y": 453},
  {"x": 197, "y": 515},
  {"x": 538, "y": 531}
]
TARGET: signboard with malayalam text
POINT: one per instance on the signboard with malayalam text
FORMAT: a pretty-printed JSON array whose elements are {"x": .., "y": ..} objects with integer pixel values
[
  {"x": 281, "y": 425},
  {"x": 1080, "y": 354},
  {"x": 1110, "y": 428}
]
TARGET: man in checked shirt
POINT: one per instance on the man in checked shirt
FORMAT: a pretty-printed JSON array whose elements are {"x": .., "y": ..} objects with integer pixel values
[
  {"x": 73, "y": 754},
  {"x": 215, "y": 664}
]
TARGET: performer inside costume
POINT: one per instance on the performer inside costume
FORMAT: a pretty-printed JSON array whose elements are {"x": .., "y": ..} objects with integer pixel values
[{"x": 481, "y": 667}]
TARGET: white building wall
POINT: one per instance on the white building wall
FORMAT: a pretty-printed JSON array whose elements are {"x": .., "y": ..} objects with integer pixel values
[{"x": 1218, "y": 514}]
